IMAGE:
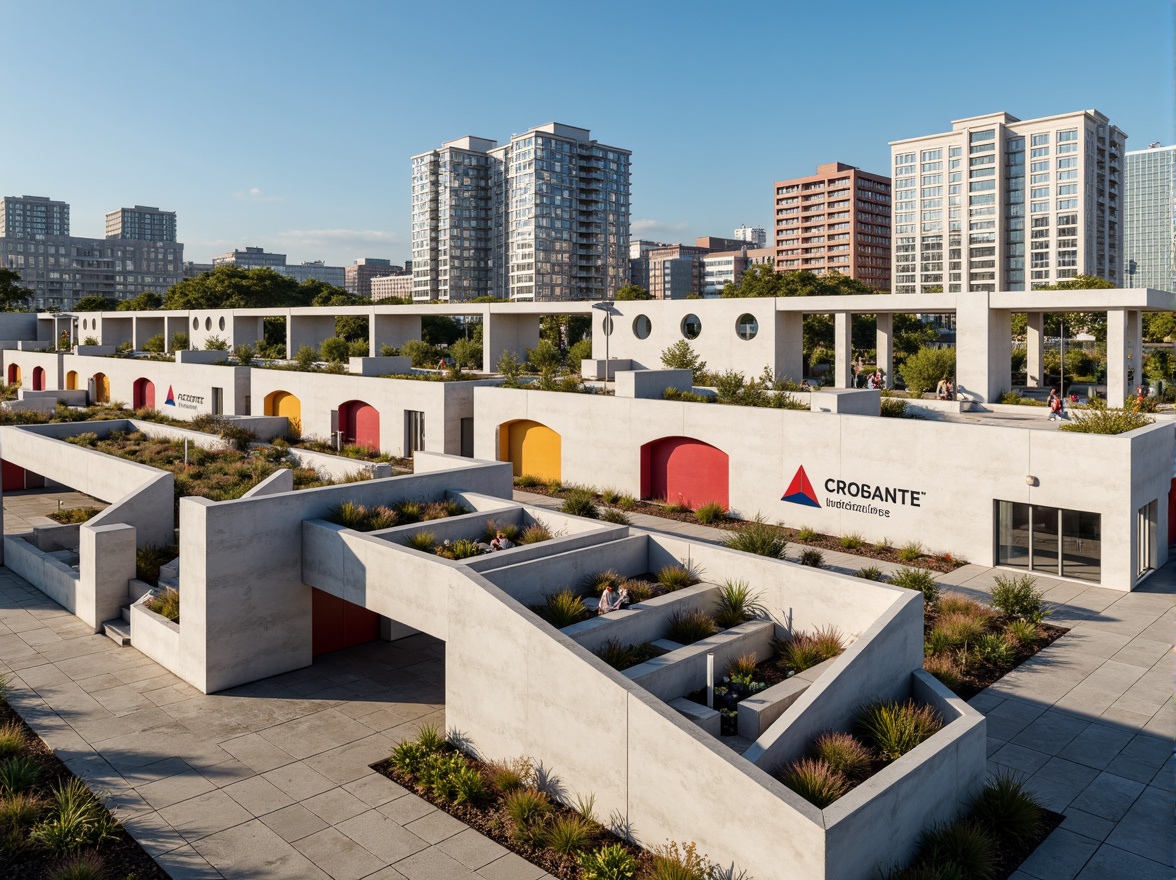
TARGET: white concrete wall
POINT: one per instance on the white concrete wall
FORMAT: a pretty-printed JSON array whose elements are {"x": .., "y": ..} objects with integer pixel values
[{"x": 957, "y": 469}]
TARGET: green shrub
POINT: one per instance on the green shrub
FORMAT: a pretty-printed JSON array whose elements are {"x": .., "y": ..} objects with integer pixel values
[
  {"x": 1097, "y": 418},
  {"x": 917, "y": 579},
  {"x": 580, "y": 502},
  {"x": 609, "y": 495},
  {"x": 1012, "y": 398},
  {"x": 671, "y": 507},
  {"x": 870, "y": 573},
  {"x": 12, "y": 739},
  {"x": 962, "y": 849},
  {"x": 852, "y": 541},
  {"x": 306, "y": 357},
  {"x": 563, "y": 608},
  {"x": 688, "y": 627},
  {"x": 612, "y": 862},
  {"x": 156, "y": 343},
  {"x": 511, "y": 774},
  {"x": 18, "y": 814},
  {"x": 812, "y": 557},
  {"x": 959, "y": 629},
  {"x": 736, "y": 604},
  {"x": 621, "y": 656},
  {"x": 431, "y": 738},
  {"x": 957, "y": 603},
  {"x": 335, "y": 349},
  {"x": 534, "y": 534},
  {"x": 680, "y": 356},
  {"x": 527, "y": 806},
  {"x": 815, "y": 781},
  {"x": 711, "y": 512},
  {"x": 1022, "y": 632},
  {"x": 992, "y": 648},
  {"x": 76, "y": 819},
  {"x": 922, "y": 370},
  {"x": 806, "y": 534},
  {"x": 844, "y": 753},
  {"x": 83, "y": 866},
  {"x": 567, "y": 835},
  {"x": 758, "y": 537},
  {"x": 937, "y": 643},
  {"x": 462, "y": 548},
  {"x": 677, "y": 577},
  {"x": 166, "y": 604},
  {"x": 1018, "y": 597},
  {"x": 595, "y": 583},
  {"x": 527, "y": 481},
  {"x": 619, "y": 517},
  {"x": 408, "y": 757},
  {"x": 1007, "y": 810},
  {"x": 910, "y": 552},
  {"x": 894, "y": 408},
  {"x": 896, "y": 728},
  {"x": 422, "y": 541},
  {"x": 585, "y": 807},
  {"x": 944, "y": 667},
  {"x": 440, "y": 773},
  {"x": 469, "y": 787},
  {"x": 627, "y": 502},
  {"x": 149, "y": 559},
  {"x": 245, "y": 354}
]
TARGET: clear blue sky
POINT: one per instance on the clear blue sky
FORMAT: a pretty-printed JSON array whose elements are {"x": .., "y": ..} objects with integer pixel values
[{"x": 290, "y": 124}]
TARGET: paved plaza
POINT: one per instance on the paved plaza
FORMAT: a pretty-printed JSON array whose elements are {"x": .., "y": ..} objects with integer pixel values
[{"x": 271, "y": 780}]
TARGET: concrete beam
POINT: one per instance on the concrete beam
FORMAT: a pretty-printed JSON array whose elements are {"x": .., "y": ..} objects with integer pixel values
[
  {"x": 1124, "y": 354},
  {"x": 885, "y": 347},
  {"x": 984, "y": 352},
  {"x": 843, "y": 350}
]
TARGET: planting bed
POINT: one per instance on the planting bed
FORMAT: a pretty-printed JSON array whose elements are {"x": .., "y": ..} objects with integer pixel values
[
  {"x": 360, "y": 453},
  {"x": 942, "y": 563},
  {"x": 22, "y": 858},
  {"x": 74, "y": 514}
]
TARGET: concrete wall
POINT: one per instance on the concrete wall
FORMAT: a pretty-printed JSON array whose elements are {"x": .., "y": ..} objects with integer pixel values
[
  {"x": 48, "y": 574},
  {"x": 652, "y": 383},
  {"x": 957, "y": 470}
]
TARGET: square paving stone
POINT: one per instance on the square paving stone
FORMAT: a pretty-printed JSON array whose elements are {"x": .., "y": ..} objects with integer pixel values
[
  {"x": 299, "y": 781},
  {"x": 1067, "y": 772},
  {"x": 511, "y": 866},
  {"x": 1086, "y": 824},
  {"x": 375, "y": 789},
  {"x": 293, "y": 822},
  {"x": 1111, "y": 861},
  {"x": 258, "y": 796},
  {"x": 335, "y": 806},
  {"x": 205, "y": 814},
  {"x": 1061, "y": 857},
  {"x": 1097, "y": 745},
  {"x": 256, "y": 753},
  {"x": 173, "y": 789},
  {"x": 1027, "y": 760},
  {"x": 1051, "y": 732},
  {"x": 382, "y": 837},
  {"x": 1109, "y": 796},
  {"x": 185, "y": 863},
  {"x": 340, "y": 856},
  {"x": 472, "y": 849},
  {"x": 1146, "y": 830},
  {"x": 433, "y": 864},
  {"x": 252, "y": 850},
  {"x": 407, "y": 809},
  {"x": 436, "y": 826}
]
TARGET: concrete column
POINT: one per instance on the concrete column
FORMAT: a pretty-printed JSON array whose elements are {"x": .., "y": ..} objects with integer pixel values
[
  {"x": 1124, "y": 354},
  {"x": 790, "y": 345},
  {"x": 106, "y": 557},
  {"x": 885, "y": 347},
  {"x": 842, "y": 350},
  {"x": 983, "y": 349},
  {"x": 1034, "y": 349},
  {"x": 394, "y": 330},
  {"x": 514, "y": 333}
]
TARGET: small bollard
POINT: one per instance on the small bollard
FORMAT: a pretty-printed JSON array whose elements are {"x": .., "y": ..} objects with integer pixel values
[
  {"x": 185, "y": 452},
  {"x": 710, "y": 680}
]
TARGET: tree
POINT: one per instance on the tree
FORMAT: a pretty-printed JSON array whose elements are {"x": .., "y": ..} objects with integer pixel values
[
  {"x": 144, "y": 302},
  {"x": 510, "y": 368},
  {"x": 680, "y": 356},
  {"x": 440, "y": 330},
  {"x": 231, "y": 287},
  {"x": 466, "y": 353},
  {"x": 13, "y": 297},
  {"x": 910, "y": 335},
  {"x": 578, "y": 351},
  {"x": 763, "y": 280},
  {"x": 335, "y": 349},
  {"x": 544, "y": 357},
  {"x": 95, "y": 304},
  {"x": 1159, "y": 326},
  {"x": 632, "y": 292},
  {"x": 922, "y": 370}
]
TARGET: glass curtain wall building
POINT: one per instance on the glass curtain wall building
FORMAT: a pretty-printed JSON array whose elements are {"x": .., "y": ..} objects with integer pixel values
[
  {"x": 1149, "y": 236},
  {"x": 1004, "y": 204}
]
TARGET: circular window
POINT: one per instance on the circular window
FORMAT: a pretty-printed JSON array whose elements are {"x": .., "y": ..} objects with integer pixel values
[
  {"x": 195, "y": 323},
  {"x": 608, "y": 325},
  {"x": 642, "y": 327},
  {"x": 691, "y": 326},
  {"x": 222, "y": 323},
  {"x": 208, "y": 323},
  {"x": 747, "y": 326}
]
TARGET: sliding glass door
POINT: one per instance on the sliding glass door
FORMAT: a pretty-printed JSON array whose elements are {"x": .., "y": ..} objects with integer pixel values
[{"x": 1049, "y": 540}]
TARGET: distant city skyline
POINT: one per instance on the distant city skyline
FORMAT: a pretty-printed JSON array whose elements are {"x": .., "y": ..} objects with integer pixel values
[{"x": 299, "y": 139}]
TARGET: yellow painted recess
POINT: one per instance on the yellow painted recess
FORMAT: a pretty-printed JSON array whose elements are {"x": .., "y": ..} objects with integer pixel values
[{"x": 532, "y": 448}]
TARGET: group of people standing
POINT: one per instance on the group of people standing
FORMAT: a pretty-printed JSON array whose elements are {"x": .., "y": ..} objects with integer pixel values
[
  {"x": 612, "y": 600},
  {"x": 875, "y": 380}
]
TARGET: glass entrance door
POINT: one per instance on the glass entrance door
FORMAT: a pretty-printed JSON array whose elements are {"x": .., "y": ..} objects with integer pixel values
[{"x": 1044, "y": 547}]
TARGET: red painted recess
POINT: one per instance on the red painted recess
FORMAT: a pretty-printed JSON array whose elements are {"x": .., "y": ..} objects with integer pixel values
[
  {"x": 38, "y": 378},
  {"x": 337, "y": 623},
  {"x": 684, "y": 471},
  {"x": 360, "y": 424},
  {"x": 143, "y": 394},
  {"x": 14, "y": 478},
  {"x": 13, "y": 372}
]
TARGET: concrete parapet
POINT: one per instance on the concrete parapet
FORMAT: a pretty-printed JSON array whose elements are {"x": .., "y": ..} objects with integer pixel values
[
  {"x": 599, "y": 368},
  {"x": 847, "y": 401},
  {"x": 192, "y": 356},
  {"x": 378, "y": 366},
  {"x": 679, "y": 672},
  {"x": 155, "y": 636},
  {"x": 652, "y": 384},
  {"x": 106, "y": 565}
]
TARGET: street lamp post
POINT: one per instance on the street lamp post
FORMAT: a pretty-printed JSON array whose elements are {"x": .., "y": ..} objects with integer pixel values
[{"x": 606, "y": 307}]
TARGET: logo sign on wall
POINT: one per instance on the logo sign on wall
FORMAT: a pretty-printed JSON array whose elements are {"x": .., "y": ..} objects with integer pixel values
[
  {"x": 182, "y": 401},
  {"x": 848, "y": 495}
]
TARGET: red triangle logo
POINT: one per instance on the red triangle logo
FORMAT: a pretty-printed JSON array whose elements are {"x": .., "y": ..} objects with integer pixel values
[
  {"x": 800, "y": 490},
  {"x": 171, "y": 399}
]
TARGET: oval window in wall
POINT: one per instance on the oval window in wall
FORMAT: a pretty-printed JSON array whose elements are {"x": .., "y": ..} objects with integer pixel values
[
  {"x": 747, "y": 326},
  {"x": 642, "y": 327},
  {"x": 222, "y": 323},
  {"x": 195, "y": 323},
  {"x": 691, "y": 326},
  {"x": 208, "y": 323},
  {"x": 608, "y": 325}
]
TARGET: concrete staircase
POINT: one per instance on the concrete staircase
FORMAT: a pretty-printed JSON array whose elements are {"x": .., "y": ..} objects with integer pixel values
[{"x": 119, "y": 629}]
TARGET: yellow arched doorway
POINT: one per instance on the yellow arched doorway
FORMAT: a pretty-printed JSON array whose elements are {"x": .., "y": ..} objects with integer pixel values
[
  {"x": 101, "y": 388},
  {"x": 532, "y": 448},
  {"x": 283, "y": 403},
  {"x": 71, "y": 380}
]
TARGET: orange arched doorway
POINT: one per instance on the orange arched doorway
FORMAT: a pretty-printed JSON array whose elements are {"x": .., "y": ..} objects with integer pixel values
[
  {"x": 533, "y": 449},
  {"x": 71, "y": 380},
  {"x": 143, "y": 394},
  {"x": 101, "y": 388},
  {"x": 359, "y": 423},
  {"x": 283, "y": 403},
  {"x": 38, "y": 378},
  {"x": 14, "y": 376}
]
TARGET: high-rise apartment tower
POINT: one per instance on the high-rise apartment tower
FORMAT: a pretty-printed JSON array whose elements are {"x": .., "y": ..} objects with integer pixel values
[
  {"x": 1000, "y": 203},
  {"x": 544, "y": 217},
  {"x": 837, "y": 220},
  {"x": 28, "y": 216},
  {"x": 1149, "y": 231},
  {"x": 141, "y": 224}
]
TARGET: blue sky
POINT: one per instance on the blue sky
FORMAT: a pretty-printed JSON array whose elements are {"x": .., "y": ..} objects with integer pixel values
[{"x": 290, "y": 125}]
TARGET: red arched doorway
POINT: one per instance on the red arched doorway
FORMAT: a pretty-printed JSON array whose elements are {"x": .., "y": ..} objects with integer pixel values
[
  {"x": 38, "y": 378},
  {"x": 359, "y": 423},
  {"x": 684, "y": 471},
  {"x": 143, "y": 394},
  {"x": 14, "y": 374}
]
